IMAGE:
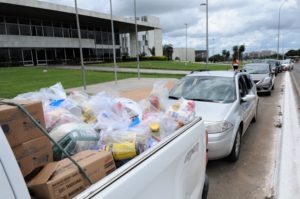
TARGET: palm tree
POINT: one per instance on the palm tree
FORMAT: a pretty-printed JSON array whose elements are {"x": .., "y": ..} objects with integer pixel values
[
  {"x": 224, "y": 53},
  {"x": 235, "y": 51},
  {"x": 242, "y": 49},
  {"x": 227, "y": 54}
]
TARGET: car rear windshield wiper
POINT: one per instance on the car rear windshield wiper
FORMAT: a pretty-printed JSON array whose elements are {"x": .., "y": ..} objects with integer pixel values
[{"x": 173, "y": 97}]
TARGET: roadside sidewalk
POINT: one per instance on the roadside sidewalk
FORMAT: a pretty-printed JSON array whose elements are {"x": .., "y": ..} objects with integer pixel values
[
  {"x": 289, "y": 160},
  {"x": 125, "y": 70}
]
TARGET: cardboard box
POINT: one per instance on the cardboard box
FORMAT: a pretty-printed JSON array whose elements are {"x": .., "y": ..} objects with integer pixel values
[
  {"x": 17, "y": 126},
  {"x": 33, "y": 154},
  {"x": 63, "y": 180}
]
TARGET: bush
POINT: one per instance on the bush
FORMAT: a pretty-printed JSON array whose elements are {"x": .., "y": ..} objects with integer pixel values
[
  {"x": 155, "y": 58},
  {"x": 177, "y": 58}
]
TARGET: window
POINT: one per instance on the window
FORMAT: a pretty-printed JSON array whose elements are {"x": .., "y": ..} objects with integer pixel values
[
  {"x": 247, "y": 81},
  {"x": 48, "y": 31},
  {"x": 242, "y": 87},
  {"x": 11, "y": 20},
  {"x": 57, "y": 31},
  {"x": 39, "y": 31},
  {"x": 16, "y": 54},
  {"x": 25, "y": 29},
  {"x": 12, "y": 29},
  {"x": 66, "y": 32},
  {"x": 2, "y": 29},
  {"x": 4, "y": 55}
]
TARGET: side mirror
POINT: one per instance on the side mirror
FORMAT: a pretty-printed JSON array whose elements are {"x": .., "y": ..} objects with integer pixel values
[{"x": 248, "y": 98}]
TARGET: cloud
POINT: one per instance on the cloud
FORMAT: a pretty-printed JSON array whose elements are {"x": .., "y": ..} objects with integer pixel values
[{"x": 250, "y": 22}]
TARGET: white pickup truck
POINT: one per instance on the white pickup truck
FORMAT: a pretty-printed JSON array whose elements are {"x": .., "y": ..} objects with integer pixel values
[{"x": 174, "y": 168}]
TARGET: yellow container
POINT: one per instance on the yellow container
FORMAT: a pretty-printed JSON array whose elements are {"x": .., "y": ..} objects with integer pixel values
[{"x": 122, "y": 151}]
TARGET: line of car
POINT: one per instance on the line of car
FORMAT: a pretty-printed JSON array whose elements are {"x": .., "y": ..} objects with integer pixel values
[{"x": 228, "y": 103}]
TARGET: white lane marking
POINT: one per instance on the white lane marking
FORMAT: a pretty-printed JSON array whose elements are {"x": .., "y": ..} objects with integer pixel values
[{"x": 289, "y": 169}]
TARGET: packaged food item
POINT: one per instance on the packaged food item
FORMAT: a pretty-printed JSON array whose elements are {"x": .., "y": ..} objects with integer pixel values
[
  {"x": 73, "y": 137},
  {"x": 122, "y": 151},
  {"x": 183, "y": 111}
]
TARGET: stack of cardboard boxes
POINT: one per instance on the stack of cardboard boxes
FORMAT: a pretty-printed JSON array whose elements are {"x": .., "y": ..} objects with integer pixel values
[{"x": 33, "y": 150}]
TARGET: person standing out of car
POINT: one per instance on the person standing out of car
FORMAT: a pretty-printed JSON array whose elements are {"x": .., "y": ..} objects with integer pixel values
[{"x": 235, "y": 64}]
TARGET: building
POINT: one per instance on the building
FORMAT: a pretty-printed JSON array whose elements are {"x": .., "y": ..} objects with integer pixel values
[
  {"x": 184, "y": 54},
  {"x": 37, "y": 33}
]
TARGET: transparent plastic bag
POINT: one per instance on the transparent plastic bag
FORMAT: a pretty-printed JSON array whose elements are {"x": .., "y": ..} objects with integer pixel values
[
  {"x": 73, "y": 137},
  {"x": 58, "y": 117},
  {"x": 156, "y": 101},
  {"x": 183, "y": 111}
]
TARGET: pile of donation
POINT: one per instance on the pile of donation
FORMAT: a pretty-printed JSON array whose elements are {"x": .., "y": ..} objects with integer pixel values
[{"x": 101, "y": 126}]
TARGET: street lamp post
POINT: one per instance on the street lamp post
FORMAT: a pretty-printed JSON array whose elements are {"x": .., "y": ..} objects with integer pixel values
[
  {"x": 207, "y": 53},
  {"x": 213, "y": 50},
  {"x": 137, "y": 45},
  {"x": 80, "y": 47},
  {"x": 279, "y": 29},
  {"x": 113, "y": 42},
  {"x": 186, "y": 43}
]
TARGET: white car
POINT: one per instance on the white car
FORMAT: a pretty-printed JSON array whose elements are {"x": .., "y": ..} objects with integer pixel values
[
  {"x": 227, "y": 101},
  {"x": 287, "y": 65}
]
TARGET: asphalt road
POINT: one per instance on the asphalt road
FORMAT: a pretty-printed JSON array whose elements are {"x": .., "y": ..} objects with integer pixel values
[
  {"x": 295, "y": 75},
  {"x": 254, "y": 175}
]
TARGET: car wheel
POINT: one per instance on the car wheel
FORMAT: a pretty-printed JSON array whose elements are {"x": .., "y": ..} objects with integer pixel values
[
  {"x": 235, "y": 151},
  {"x": 255, "y": 115}
]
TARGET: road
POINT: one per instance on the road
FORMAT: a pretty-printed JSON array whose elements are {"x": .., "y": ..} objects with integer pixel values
[
  {"x": 254, "y": 175},
  {"x": 295, "y": 75}
]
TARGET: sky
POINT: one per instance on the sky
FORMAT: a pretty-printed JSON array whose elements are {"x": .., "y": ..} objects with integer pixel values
[{"x": 253, "y": 23}]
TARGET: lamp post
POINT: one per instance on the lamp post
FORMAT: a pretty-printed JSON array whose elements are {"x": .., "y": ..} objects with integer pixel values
[
  {"x": 207, "y": 53},
  {"x": 279, "y": 29},
  {"x": 186, "y": 43},
  {"x": 137, "y": 45},
  {"x": 113, "y": 42},
  {"x": 80, "y": 48},
  {"x": 213, "y": 49}
]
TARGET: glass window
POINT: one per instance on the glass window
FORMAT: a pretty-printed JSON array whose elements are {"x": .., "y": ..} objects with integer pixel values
[
  {"x": 69, "y": 53},
  {"x": 247, "y": 81},
  {"x": 12, "y": 29},
  {"x": 91, "y": 34},
  {"x": 4, "y": 55},
  {"x": 1, "y": 19},
  {"x": 25, "y": 29},
  {"x": 242, "y": 87},
  {"x": 24, "y": 21},
  {"x": 50, "y": 54},
  {"x": 99, "y": 53},
  {"x": 117, "y": 39},
  {"x": 41, "y": 54},
  {"x": 93, "y": 53},
  {"x": 66, "y": 32},
  {"x": 85, "y": 52},
  {"x": 84, "y": 34},
  {"x": 36, "y": 22},
  {"x": 2, "y": 29},
  {"x": 74, "y": 33},
  {"x": 105, "y": 37},
  {"x": 39, "y": 31},
  {"x": 11, "y": 19},
  {"x": 16, "y": 54},
  {"x": 27, "y": 55},
  {"x": 205, "y": 88},
  {"x": 48, "y": 31},
  {"x": 60, "y": 53},
  {"x": 98, "y": 37},
  {"x": 57, "y": 32}
]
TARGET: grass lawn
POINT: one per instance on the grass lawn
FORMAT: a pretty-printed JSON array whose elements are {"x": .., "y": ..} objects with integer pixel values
[
  {"x": 173, "y": 65},
  {"x": 16, "y": 80}
]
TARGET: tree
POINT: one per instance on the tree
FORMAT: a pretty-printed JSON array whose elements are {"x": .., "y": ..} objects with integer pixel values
[
  {"x": 227, "y": 55},
  {"x": 168, "y": 51},
  {"x": 242, "y": 49},
  {"x": 235, "y": 51},
  {"x": 224, "y": 53},
  {"x": 238, "y": 51}
]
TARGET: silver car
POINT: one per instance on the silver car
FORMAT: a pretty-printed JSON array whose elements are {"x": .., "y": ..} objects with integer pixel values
[
  {"x": 227, "y": 101},
  {"x": 262, "y": 75}
]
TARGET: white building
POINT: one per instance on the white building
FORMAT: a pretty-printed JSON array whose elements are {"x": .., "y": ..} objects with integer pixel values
[{"x": 184, "y": 54}]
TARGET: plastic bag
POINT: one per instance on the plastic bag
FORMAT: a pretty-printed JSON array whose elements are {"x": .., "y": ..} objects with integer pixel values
[
  {"x": 156, "y": 101},
  {"x": 58, "y": 117},
  {"x": 183, "y": 111},
  {"x": 73, "y": 137},
  {"x": 124, "y": 144}
]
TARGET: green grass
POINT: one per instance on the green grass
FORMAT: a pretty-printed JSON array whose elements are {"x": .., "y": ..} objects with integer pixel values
[
  {"x": 16, "y": 80},
  {"x": 171, "y": 65}
]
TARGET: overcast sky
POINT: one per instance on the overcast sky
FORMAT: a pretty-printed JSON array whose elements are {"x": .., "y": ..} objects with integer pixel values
[{"x": 231, "y": 22}]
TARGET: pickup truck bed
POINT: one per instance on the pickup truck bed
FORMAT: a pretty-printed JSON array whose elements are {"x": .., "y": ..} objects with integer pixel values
[{"x": 174, "y": 168}]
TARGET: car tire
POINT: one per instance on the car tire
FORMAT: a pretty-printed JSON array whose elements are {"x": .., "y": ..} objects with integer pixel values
[{"x": 236, "y": 148}]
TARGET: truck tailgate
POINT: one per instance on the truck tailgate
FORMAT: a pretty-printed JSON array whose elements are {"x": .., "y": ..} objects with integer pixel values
[{"x": 174, "y": 168}]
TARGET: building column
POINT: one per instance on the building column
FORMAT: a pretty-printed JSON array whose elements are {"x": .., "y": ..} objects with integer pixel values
[
  {"x": 132, "y": 46},
  {"x": 158, "y": 42}
]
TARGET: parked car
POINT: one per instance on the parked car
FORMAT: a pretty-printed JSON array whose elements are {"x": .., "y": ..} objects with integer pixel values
[
  {"x": 275, "y": 65},
  {"x": 287, "y": 65},
  {"x": 227, "y": 101},
  {"x": 262, "y": 75}
]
